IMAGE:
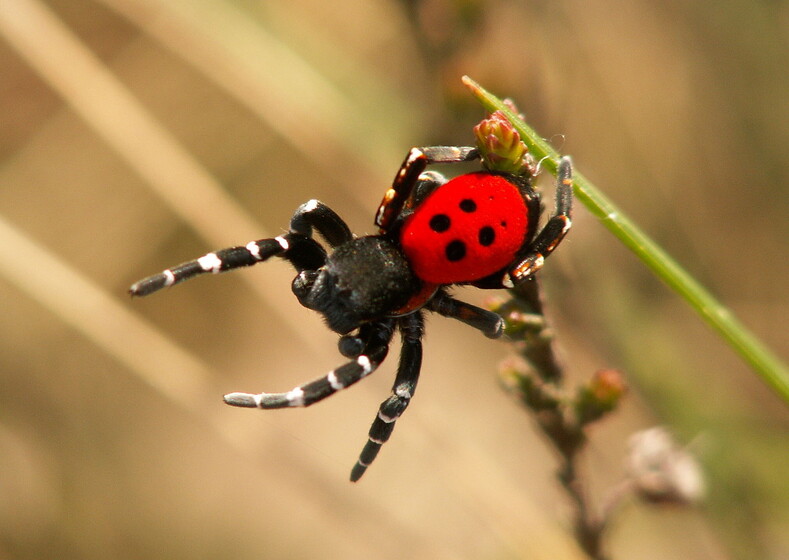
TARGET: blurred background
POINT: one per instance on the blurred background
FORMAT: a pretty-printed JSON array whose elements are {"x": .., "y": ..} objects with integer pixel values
[{"x": 137, "y": 134}]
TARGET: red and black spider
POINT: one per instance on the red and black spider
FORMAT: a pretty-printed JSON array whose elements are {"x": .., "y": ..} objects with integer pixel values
[{"x": 479, "y": 229}]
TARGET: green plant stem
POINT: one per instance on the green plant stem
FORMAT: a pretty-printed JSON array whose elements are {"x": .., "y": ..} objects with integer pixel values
[{"x": 751, "y": 349}]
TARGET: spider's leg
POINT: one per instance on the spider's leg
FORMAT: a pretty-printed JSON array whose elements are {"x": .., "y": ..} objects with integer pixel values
[
  {"x": 414, "y": 164},
  {"x": 552, "y": 234},
  {"x": 316, "y": 214},
  {"x": 296, "y": 246},
  {"x": 375, "y": 350},
  {"x": 427, "y": 183},
  {"x": 411, "y": 331},
  {"x": 302, "y": 251},
  {"x": 487, "y": 322},
  {"x": 351, "y": 345}
]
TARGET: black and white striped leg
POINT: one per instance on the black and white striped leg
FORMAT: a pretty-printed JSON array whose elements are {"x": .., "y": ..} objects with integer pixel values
[
  {"x": 375, "y": 350},
  {"x": 487, "y": 322},
  {"x": 296, "y": 246},
  {"x": 220, "y": 261},
  {"x": 411, "y": 331},
  {"x": 554, "y": 231},
  {"x": 409, "y": 173}
]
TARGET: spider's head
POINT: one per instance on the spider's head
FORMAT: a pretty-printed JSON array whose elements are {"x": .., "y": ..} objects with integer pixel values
[{"x": 363, "y": 280}]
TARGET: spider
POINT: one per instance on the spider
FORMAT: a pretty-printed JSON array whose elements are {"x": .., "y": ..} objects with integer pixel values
[{"x": 479, "y": 228}]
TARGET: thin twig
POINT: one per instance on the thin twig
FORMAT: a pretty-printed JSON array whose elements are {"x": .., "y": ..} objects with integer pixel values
[{"x": 541, "y": 387}]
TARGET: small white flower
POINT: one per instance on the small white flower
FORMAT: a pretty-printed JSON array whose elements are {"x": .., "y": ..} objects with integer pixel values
[{"x": 661, "y": 470}]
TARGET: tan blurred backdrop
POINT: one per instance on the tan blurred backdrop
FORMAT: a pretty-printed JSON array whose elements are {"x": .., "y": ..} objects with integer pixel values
[{"x": 136, "y": 134}]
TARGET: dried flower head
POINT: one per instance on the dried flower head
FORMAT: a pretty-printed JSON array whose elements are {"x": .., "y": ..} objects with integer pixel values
[{"x": 661, "y": 471}]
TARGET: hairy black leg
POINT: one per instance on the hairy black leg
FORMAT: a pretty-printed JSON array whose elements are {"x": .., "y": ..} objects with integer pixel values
[
  {"x": 409, "y": 174},
  {"x": 411, "y": 331},
  {"x": 351, "y": 345},
  {"x": 487, "y": 322},
  {"x": 375, "y": 349},
  {"x": 316, "y": 214},
  {"x": 552, "y": 234},
  {"x": 304, "y": 252},
  {"x": 296, "y": 246},
  {"x": 428, "y": 182}
]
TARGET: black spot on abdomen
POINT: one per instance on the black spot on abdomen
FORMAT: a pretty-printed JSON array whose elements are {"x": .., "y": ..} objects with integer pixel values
[
  {"x": 468, "y": 205},
  {"x": 455, "y": 250},
  {"x": 440, "y": 223},
  {"x": 487, "y": 236}
]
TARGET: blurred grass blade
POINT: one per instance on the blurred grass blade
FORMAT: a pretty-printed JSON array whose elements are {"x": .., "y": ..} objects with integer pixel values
[
  {"x": 163, "y": 365},
  {"x": 94, "y": 93},
  {"x": 86, "y": 307},
  {"x": 280, "y": 87},
  {"x": 752, "y": 350}
]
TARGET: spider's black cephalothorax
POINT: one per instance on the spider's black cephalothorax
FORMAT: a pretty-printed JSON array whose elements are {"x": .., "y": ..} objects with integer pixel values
[
  {"x": 478, "y": 229},
  {"x": 363, "y": 279}
]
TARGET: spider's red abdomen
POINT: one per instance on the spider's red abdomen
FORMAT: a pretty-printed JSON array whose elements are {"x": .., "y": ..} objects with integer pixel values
[{"x": 466, "y": 229}]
